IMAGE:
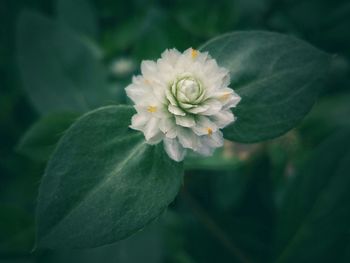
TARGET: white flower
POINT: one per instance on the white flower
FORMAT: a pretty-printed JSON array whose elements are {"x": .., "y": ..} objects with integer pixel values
[{"x": 184, "y": 100}]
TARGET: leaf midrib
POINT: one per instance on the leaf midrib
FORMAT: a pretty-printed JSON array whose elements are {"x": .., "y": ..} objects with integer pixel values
[{"x": 136, "y": 151}]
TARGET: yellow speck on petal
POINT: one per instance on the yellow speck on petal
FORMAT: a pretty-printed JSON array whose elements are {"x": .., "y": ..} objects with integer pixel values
[
  {"x": 210, "y": 131},
  {"x": 148, "y": 82},
  {"x": 152, "y": 109},
  {"x": 225, "y": 96},
  {"x": 194, "y": 53}
]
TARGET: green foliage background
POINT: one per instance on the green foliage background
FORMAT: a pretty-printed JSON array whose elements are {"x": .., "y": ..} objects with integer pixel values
[{"x": 284, "y": 200}]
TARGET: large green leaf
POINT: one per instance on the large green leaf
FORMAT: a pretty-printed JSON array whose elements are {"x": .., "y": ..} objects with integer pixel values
[
  {"x": 313, "y": 224},
  {"x": 103, "y": 182},
  {"x": 40, "y": 140},
  {"x": 278, "y": 77},
  {"x": 58, "y": 69}
]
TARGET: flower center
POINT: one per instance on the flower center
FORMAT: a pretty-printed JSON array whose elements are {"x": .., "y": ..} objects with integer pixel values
[{"x": 188, "y": 89}]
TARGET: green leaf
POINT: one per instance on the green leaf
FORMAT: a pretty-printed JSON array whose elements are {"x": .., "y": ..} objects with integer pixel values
[
  {"x": 103, "y": 182},
  {"x": 278, "y": 77},
  {"x": 85, "y": 23},
  {"x": 313, "y": 225},
  {"x": 58, "y": 69},
  {"x": 40, "y": 140}
]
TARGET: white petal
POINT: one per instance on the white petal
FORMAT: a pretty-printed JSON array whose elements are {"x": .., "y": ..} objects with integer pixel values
[
  {"x": 138, "y": 121},
  {"x": 144, "y": 109},
  {"x": 202, "y": 57},
  {"x": 165, "y": 124},
  {"x": 136, "y": 92},
  {"x": 174, "y": 149},
  {"x": 215, "y": 140},
  {"x": 151, "y": 129},
  {"x": 204, "y": 126},
  {"x": 205, "y": 150},
  {"x": 187, "y": 138},
  {"x": 148, "y": 68},
  {"x": 210, "y": 67},
  {"x": 185, "y": 121},
  {"x": 158, "y": 90},
  {"x": 172, "y": 133},
  {"x": 233, "y": 101},
  {"x": 184, "y": 61},
  {"x": 214, "y": 107},
  {"x": 223, "y": 95},
  {"x": 156, "y": 138},
  {"x": 226, "y": 80},
  {"x": 170, "y": 97},
  {"x": 176, "y": 110},
  {"x": 223, "y": 118},
  {"x": 171, "y": 56},
  {"x": 188, "y": 52},
  {"x": 165, "y": 67},
  {"x": 168, "y": 127},
  {"x": 181, "y": 96},
  {"x": 186, "y": 105},
  {"x": 199, "y": 109}
]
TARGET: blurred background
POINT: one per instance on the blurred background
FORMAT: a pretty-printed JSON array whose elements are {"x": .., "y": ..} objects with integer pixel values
[{"x": 284, "y": 200}]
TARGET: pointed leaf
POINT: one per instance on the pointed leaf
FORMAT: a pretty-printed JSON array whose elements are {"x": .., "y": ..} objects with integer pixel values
[
  {"x": 40, "y": 140},
  {"x": 278, "y": 77},
  {"x": 103, "y": 182}
]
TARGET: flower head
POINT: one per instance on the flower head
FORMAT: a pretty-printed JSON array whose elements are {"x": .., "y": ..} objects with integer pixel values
[{"x": 184, "y": 100}]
